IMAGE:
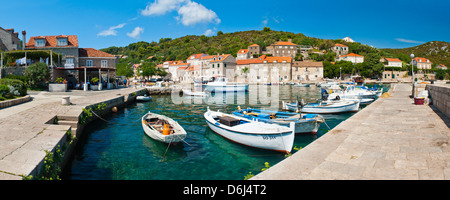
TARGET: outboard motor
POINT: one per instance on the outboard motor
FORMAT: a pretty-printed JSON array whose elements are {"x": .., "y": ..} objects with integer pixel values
[{"x": 324, "y": 94}]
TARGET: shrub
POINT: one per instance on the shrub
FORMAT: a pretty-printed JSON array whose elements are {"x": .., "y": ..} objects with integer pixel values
[
  {"x": 38, "y": 74},
  {"x": 4, "y": 89},
  {"x": 17, "y": 85}
]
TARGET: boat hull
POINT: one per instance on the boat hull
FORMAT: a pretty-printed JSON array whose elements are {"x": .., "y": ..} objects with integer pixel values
[
  {"x": 226, "y": 88},
  {"x": 329, "y": 109},
  {"x": 173, "y": 138},
  {"x": 308, "y": 125},
  {"x": 281, "y": 142}
]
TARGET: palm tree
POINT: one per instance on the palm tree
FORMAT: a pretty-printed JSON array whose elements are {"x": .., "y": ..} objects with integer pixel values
[{"x": 245, "y": 71}]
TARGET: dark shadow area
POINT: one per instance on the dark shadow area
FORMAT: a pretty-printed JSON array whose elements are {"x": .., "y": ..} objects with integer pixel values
[{"x": 441, "y": 115}]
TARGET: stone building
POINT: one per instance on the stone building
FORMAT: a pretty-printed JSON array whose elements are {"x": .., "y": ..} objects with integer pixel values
[
  {"x": 254, "y": 49},
  {"x": 352, "y": 57},
  {"x": 339, "y": 49},
  {"x": 284, "y": 49},
  {"x": 221, "y": 65},
  {"x": 305, "y": 71},
  {"x": 66, "y": 45},
  {"x": 422, "y": 63},
  {"x": 271, "y": 70},
  {"x": 9, "y": 40}
]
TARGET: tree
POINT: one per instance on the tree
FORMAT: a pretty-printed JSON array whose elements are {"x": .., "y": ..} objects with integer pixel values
[
  {"x": 245, "y": 71},
  {"x": 266, "y": 29},
  {"x": 123, "y": 69},
  {"x": 38, "y": 74}
]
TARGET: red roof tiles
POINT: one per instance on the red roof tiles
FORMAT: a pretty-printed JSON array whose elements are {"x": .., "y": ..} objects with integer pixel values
[
  {"x": 90, "y": 52},
  {"x": 51, "y": 41}
]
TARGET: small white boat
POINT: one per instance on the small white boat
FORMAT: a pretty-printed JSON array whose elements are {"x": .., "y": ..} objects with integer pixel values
[
  {"x": 304, "y": 123},
  {"x": 193, "y": 93},
  {"x": 302, "y": 85},
  {"x": 252, "y": 133},
  {"x": 162, "y": 128},
  {"x": 220, "y": 84},
  {"x": 143, "y": 98},
  {"x": 325, "y": 107}
]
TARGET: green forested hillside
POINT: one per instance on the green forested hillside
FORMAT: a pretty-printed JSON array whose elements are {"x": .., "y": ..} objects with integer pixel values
[
  {"x": 438, "y": 52},
  {"x": 222, "y": 43},
  {"x": 229, "y": 43}
]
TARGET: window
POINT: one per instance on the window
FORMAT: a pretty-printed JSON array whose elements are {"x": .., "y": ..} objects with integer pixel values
[
  {"x": 104, "y": 63},
  {"x": 69, "y": 61},
  {"x": 213, "y": 66},
  {"x": 62, "y": 42},
  {"x": 39, "y": 43},
  {"x": 225, "y": 65},
  {"x": 88, "y": 63}
]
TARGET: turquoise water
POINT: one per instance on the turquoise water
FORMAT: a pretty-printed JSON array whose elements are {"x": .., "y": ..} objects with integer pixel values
[{"x": 120, "y": 150}]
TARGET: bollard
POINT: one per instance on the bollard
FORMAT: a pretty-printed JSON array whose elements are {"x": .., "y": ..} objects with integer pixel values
[{"x": 65, "y": 100}]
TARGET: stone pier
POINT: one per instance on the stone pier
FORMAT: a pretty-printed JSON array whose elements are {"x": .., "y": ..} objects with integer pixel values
[{"x": 391, "y": 138}]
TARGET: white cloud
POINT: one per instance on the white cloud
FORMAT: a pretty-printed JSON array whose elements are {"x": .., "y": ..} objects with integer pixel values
[
  {"x": 209, "y": 32},
  {"x": 408, "y": 41},
  {"x": 193, "y": 13},
  {"x": 161, "y": 7},
  {"x": 189, "y": 12},
  {"x": 136, "y": 33},
  {"x": 111, "y": 30},
  {"x": 264, "y": 22}
]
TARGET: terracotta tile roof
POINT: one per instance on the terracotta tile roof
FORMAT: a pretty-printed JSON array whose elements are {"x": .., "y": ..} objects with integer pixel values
[
  {"x": 51, "y": 41},
  {"x": 339, "y": 45},
  {"x": 91, "y": 52},
  {"x": 393, "y": 59},
  {"x": 285, "y": 43},
  {"x": 242, "y": 51},
  {"x": 351, "y": 55},
  {"x": 254, "y": 45},
  {"x": 424, "y": 60},
  {"x": 307, "y": 64},
  {"x": 182, "y": 68},
  {"x": 193, "y": 68},
  {"x": 207, "y": 57},
  {"x": 196, "y": 56},
  {"x": 278, "y": 59},
  {"x": 220, "y": 58}
]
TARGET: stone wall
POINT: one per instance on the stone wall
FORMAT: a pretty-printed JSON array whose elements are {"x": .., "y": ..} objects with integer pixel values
[
  {"x": 440, "y": 95},
  {"x": 12, "y": 102}
]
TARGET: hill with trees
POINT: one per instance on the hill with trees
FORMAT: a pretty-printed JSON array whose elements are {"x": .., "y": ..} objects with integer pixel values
[
  {"x": 438, "y": 52},
  {"x": 230, "y": 43}
]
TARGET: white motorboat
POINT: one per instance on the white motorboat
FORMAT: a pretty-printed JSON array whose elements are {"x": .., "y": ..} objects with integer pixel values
[
  {"x": 194, "y": 93},
  {"x": 220, "y": 84},
  {"x": 162, "y": 128},
  {"x": 144, "y": 98},
  {"x": 304, "y": 123},
  {"x": 302, "y": 85},
  {"x": 324, "y": 107},
  {"x": 252, "y": 133}
]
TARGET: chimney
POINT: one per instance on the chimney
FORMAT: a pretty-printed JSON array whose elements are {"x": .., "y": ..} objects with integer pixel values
[
  {"x": 289, "y": 40},
  {"x": 24, "y": 41}
]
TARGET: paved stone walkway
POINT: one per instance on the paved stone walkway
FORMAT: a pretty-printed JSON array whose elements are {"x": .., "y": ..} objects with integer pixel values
[
  {"x": 24, "y": 135},
  {"x": 390, "y": 139}
]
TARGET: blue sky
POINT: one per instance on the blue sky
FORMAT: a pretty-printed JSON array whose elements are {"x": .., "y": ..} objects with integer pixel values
[{"x": 101, "y": 23}]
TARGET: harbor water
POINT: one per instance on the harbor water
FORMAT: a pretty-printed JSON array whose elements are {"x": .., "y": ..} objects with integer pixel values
[{"x": 117, "y": 148}]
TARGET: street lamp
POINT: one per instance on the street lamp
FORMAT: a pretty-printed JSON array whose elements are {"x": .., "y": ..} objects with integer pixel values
[
  {"x": 412, "y": 74},
  {"x": 340, "y": 76}
]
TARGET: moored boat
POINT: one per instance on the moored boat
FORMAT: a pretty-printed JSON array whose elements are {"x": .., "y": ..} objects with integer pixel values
[
  {"x": 194, "y": 93},
  {"x": 162, "y": 128},
  {"x": 220, "y": 84},
  {"x": 302, "y": 85},
  {"x": 324, "y": 107},
  {"x": 304, "y": 123},
  {"x": 251, "y": 133},
  {"x": 143, "y": 98}
]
